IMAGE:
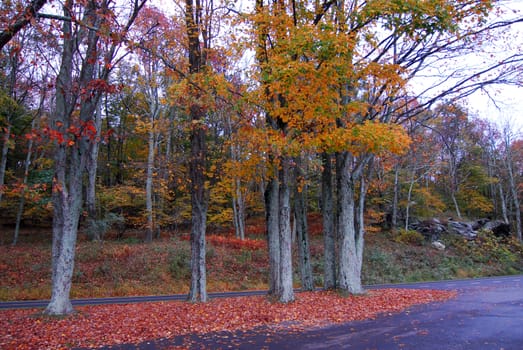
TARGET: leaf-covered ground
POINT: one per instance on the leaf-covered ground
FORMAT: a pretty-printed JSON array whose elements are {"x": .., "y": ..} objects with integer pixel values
[{"x": 94, "y": 326}]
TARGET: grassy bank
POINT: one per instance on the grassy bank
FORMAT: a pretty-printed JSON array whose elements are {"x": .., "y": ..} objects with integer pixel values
[{"x": 129, "y": 267}]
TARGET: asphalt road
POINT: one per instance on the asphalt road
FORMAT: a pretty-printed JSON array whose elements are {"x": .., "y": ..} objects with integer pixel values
[
  {"x": 25, "y": 304},
  {"x": 487, "y": 314}
]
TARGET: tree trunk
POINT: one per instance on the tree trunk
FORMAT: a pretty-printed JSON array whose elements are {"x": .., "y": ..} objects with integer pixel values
[
  {"x": 3, "y": 160},
  {"x": 351, "y": 243},
  {"x": 238, "y": 196},
  {"x": 92, "y": 171},
  {"x": 273, "y": 239},
  {"x": 302, "y": 232},
  {"x": 194, "y": 22},
  {"x": 238, "y": 206},
  {"x": 409, "y": 198},
  {"x": 360, "y": 230},
  {"x": 67, "y": 200},
  {"x": 287, "y": 292},
  {"x": 454, "y": 183},
  {"x": 198, "y": 290},
  {"x": 395, "y": 199},
  {"x": 21, "y": 205},
  {"x": 493, "y": 186},
  {"x": 164, "y": 171},
  {"x": 513, "y": 187},
  {"x": 503, "y": 203},
  {"x": 329, "y": 230},
  {"x": 456, "y": 205},
  {"x": 149, "y": 183}
]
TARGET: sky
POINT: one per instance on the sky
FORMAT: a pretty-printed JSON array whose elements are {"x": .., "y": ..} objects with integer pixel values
[
  {"x": 508, "y": 107},
  {"x": 503, "y": 103}
]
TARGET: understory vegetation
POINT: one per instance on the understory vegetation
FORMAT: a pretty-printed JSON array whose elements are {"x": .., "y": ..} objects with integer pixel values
[{"x": 127, "y": 266}]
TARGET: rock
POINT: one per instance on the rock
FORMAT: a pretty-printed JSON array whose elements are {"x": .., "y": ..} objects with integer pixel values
[
  {"x": 438, "y": 245},
  {"x": 431, "y": 228},
  {"x": 461, "y": 228},
  {"x": 498, "y": 228},
  {"x": 479, "y": 224}
]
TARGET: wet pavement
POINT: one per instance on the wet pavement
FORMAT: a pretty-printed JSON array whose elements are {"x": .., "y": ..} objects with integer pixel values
[{"x": 487, "y": 314}]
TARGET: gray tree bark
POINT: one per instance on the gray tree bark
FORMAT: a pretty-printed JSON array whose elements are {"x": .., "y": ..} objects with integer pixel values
[
  {"x": 238, "y": 200},
  {"x": 351, "y": 238},
  {"x": 395, "y": 198},
  {"x": 164, "y": 168},
  {"x": 277, "y": 194},
  {"x": 198, "y": 291},
  {"x": 329, "y": 228},
  {"x": 412, "y": 181},
  {"x": 238, "y": 208},
  {"x": 273, "y": 239},
  {"x": 302, "y": 231},
  {"x": 509, "y": 164},
  {"x": 21, "y": 205},
  {"x": 152, "y": 92},
  {"x": 92, "y": 171},
  {"x": 151, "y": 146},
  {"x": 503, "y": 203},
  {"x": 66, "y": 194},
  {"x": 199, "y": 201},
  {"x": 3, "y": 160},
  {"x": 287, "y": 291}
]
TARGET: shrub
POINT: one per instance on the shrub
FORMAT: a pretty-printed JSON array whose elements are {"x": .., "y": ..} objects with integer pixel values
[
  {"x": 179, "y": 264},
  {"x": 233, "y": 242},
  {"x": 491, "y": 248},
  {"x": 496, "y": 254},
  {"x": 409, "y": 237},
  {"x": 96, "y": 229}
]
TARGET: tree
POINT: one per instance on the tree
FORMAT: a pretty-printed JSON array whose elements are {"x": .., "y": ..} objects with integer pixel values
[
  {"x": 508, "y": 161},
  {"x": 494, "y": 169},
  {"x": 297, "y": 52},
  {"x": 277, "y": 192},
  {"x": 31, "y": 145},
  {"x": 199, "y": 33},
  {"x": 10, "y": 111},
  {"x": 201, "y": 88},
  {"x": 73, "y": 133},
  {"x": 368, "y": 51},
  {"x": 451, "y": 135}
]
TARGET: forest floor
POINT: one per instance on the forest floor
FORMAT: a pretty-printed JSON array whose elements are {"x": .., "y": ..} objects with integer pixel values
[{"x": 127, "y": 266}]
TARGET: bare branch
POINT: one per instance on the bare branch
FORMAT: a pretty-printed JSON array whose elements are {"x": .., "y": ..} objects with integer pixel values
[{"x": 21, "y": 21}]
